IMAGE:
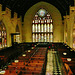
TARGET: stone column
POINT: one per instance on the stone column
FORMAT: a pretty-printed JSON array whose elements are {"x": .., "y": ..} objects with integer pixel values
[
  {"x": 64, "y": 29},
  {"x": 72, "y": 9},
  {"x": 68, "y": 30}
]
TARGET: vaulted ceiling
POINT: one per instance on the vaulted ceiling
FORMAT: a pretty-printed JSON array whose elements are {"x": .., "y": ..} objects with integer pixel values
[{"x": 21, "y": 6}]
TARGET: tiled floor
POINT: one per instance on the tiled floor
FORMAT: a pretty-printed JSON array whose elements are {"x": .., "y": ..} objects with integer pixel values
[
  {"x": 49, "y": 68},
  {"x": 53, "y": 67}
]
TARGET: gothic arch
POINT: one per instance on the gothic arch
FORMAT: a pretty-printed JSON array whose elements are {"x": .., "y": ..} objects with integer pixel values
[
  {"x": 57, "y": 21},
  {"x": 3, "y": 35}
]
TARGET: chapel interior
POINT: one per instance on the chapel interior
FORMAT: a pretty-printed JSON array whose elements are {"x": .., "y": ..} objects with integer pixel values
[{"x": 37, "y": 37}]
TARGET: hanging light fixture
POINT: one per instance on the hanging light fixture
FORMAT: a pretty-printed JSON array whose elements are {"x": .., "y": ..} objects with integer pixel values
[
  {"x": 2, "y": 72},
  {"x": 68, "y": 59},
  {"x": 29, "y": 50},
  {"x": 67, "y": 47},
  {"x": 16, "y": 61},
  {"x": 64, "y": 53},
  {"x": 24, "y": 55}
]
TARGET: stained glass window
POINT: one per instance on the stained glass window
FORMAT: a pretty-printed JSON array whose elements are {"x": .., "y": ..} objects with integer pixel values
[
  {"x": 42, "y": 12},
  {"x": 73, "y": 38},
  {"x": 3, "y": 35},
  {"x": 42, "y": 27}
]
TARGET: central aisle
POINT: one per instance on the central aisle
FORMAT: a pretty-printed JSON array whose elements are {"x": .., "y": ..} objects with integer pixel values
[
  {"x": 53, "y": 66},
  {"x": 49, "y": 67}
]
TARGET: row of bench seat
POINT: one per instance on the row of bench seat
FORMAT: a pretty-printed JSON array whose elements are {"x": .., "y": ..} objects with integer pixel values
[{"x": 33, "y": 63}]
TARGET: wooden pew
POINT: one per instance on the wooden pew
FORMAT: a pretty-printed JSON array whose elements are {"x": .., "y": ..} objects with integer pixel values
[
  {"x": 36, "y": 61},
  {"x": 31, "y": 73},
  {"x": 35, "y": 64}
]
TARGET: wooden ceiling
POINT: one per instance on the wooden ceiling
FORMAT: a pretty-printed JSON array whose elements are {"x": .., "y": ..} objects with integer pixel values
[{"x": 21, "y": 6}]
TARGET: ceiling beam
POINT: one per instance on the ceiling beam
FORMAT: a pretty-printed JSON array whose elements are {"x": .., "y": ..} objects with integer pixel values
[
  {"x": 15, "y": 2},
  {"x": 67, "y": 2},
  {"x": 63, "y": 5},
  {"x": 23, "y": 4}
]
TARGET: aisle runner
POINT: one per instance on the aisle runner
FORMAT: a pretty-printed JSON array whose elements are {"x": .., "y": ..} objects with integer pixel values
[
  {"x": 56, "y": 65},
  {"x": 49, "y": 67}
]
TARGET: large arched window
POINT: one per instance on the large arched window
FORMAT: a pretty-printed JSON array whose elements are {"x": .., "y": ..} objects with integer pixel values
[
  {"x": 3, "y": 35},
  {"x": 74, "y": 38},
  {"x": 42, "y": 27},
  {"x": 18, "y": 35}
]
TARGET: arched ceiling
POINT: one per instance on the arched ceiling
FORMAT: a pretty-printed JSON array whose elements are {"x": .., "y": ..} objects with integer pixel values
[{"x": 21, "y": 6}]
